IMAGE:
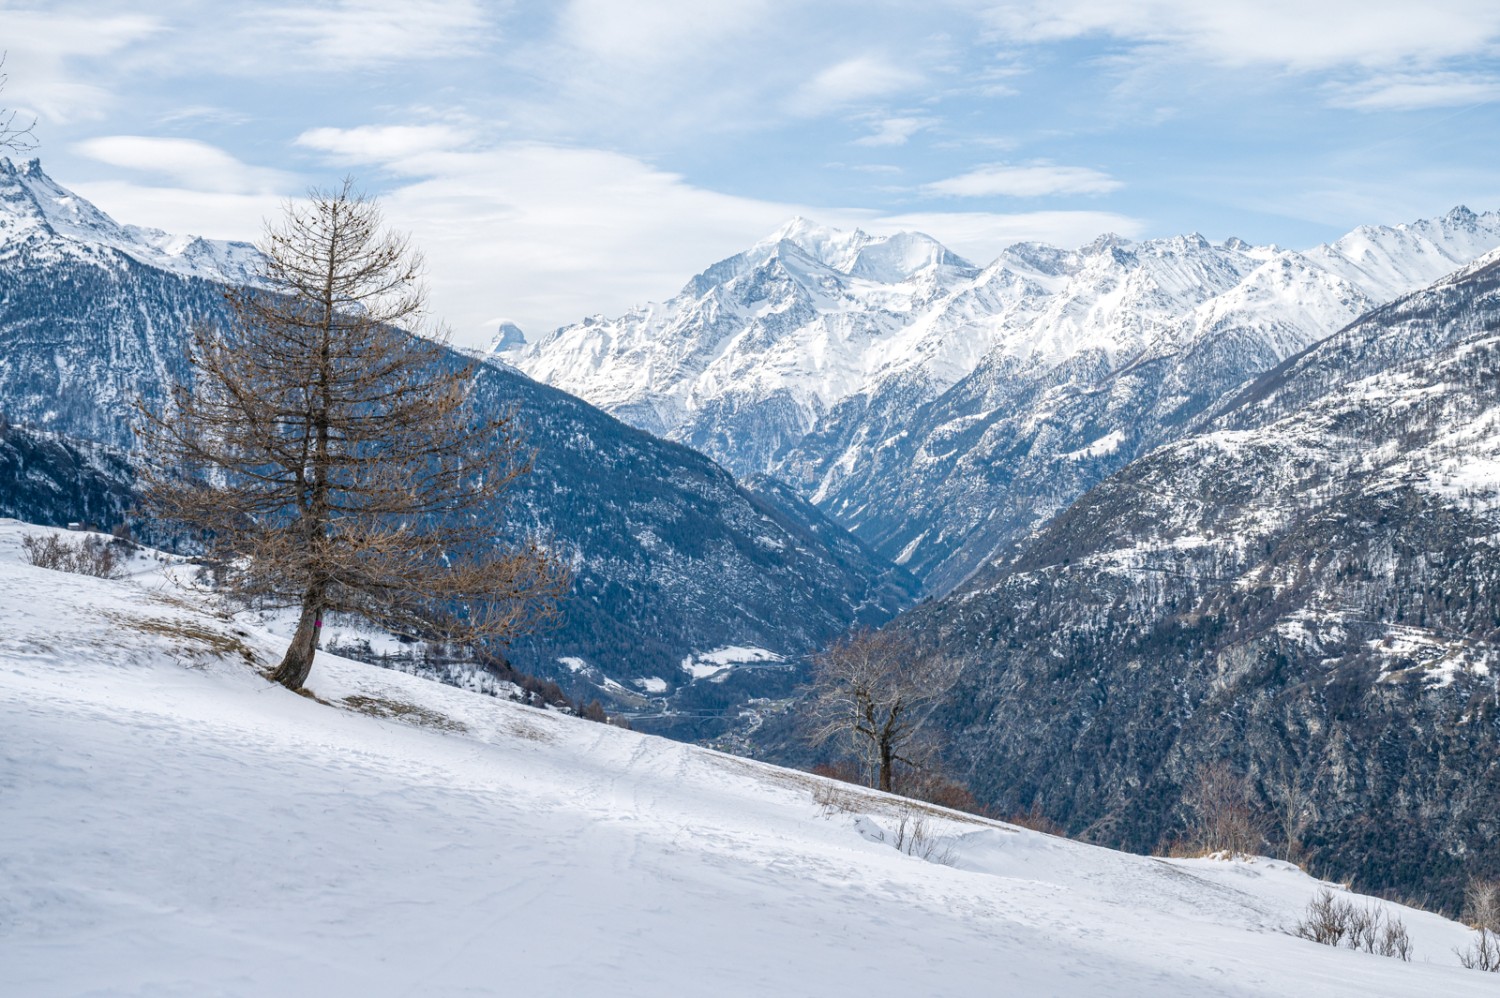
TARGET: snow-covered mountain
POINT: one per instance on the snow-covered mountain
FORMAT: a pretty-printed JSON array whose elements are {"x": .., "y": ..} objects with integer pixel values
[
  {"x": 174, "y": 825},
  {"x": 942, "y": 412},
  {"x": 1306, "y": 588},
  {"x": 673, "y": 560},
  {"x": 756, "y": 349},
  {"x": 40, "y": 218}
]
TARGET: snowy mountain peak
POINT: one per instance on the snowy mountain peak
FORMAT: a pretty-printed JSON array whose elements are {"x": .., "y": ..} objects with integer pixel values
[
  {"x": 1388, "y": 261},
  {"x": 29, "y": 199},
  {"x": 507, "y": 337},
  {"x": 37, "y": 211},
  {"x": 883, "y": 259},
  {"x": 1104, "y": 243}
]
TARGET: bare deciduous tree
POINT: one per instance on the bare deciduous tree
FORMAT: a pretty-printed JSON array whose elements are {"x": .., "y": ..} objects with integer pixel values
[
  {"x": 1293, "y": 802},
  {"x": 1482, "y": 903},
  {"x": 1225, "y": 818},
  {"x": 16, "y": 139},
  {"x": 329, "y": 456},
  {"x": 875, "y": 689}
]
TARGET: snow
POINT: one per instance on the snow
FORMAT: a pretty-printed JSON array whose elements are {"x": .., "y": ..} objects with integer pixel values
[
  {"x": 1107, "y": 444},
  {"x": 704, "y": 665},
  {"x": 652, "y": 684},
  {"x": 174, "y": 825}
]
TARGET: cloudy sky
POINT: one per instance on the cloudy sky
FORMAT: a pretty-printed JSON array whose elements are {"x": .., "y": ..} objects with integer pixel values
[{"x": 556, "y": 159}]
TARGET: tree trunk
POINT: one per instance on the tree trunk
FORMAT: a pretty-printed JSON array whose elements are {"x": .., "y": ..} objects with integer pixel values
[
  {"x": 885, "y": 766},
  {"x": 294, "y": 667}
]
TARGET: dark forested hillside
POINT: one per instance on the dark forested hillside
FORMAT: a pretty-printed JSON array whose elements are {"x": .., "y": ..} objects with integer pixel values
[
  {"x": 49, "y": 479},
  {"x": 1308, "y": 592}
]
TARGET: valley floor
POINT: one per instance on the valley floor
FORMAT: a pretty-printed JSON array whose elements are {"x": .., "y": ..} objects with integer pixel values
[{"x": 171, "y": 824}]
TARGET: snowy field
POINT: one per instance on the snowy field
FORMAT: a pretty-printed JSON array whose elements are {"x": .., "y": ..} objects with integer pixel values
[{"x": 172, "y": 825}]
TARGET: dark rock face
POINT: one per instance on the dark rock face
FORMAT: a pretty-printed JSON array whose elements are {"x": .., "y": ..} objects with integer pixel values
[
  {"x": 51, "y": 480},
  {"x": 1308, "y": 589}
]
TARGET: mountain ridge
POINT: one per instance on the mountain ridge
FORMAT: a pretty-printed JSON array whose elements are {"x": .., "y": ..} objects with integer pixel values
[{"x": 895, "y": 407}]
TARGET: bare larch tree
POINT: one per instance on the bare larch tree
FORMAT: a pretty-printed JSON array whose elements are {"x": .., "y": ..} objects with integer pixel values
[
  {"x": 16, "y": 138},
  {"x": 876, "y": 690},
  {"x": 329, "y": 457}
]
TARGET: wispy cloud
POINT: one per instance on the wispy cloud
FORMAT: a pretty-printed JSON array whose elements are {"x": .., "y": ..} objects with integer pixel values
[
  {"x": 665, "y": 32},
  {"x": 1037, "y": 180},
  {"x": 853, "y": 81},
  {"x": 194, "y": 114},
  {"x": 1289, "y": 33},
  {"x": 214, "y": 214},
  {"x": 41, "y": 47},
  {"x": 189, "y": 163},
  {"x": 894, "y": 131},
  {"x": 1408, "y": 92},
  {"x": 347, "y": 33}
]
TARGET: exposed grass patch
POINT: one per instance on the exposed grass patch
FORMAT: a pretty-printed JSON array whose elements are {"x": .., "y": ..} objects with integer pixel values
[
  {"x": 529, "y": 732},
  {"x": 196, "y": 640},
  {"x": 401, "y": 711},
  {"x": 836, "y": 796}
]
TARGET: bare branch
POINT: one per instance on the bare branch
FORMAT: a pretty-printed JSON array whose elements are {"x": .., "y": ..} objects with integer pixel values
[{"x": 20, "y": 140}]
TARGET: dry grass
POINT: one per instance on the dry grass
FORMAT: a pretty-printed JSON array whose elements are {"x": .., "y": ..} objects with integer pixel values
[
  {"x": 409, "y": 712},
  {"x": 528, "y": 732},
  {"x": 836, "y": 798},
  {"x": 196, "y": 640},
  {"x": 851, "y": 797}
]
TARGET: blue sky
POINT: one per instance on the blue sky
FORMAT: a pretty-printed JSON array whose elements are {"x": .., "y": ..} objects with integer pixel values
[{"x": 564, "y": 158}]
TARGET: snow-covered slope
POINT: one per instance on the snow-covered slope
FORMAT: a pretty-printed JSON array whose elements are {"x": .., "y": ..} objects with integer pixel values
[{"x": 176, "y": 826}]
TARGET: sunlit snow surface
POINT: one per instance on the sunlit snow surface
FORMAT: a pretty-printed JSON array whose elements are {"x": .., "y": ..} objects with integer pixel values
[{"x": 173, "y": 825}]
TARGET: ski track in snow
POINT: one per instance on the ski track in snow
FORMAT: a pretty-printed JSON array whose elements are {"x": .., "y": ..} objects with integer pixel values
[{"x": 174, "y": 825}]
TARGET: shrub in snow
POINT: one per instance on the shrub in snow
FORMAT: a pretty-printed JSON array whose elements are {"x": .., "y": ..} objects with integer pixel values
[
  {"x": 92, "y": 555},
  {"x": 915, "y": 837},
  {"x": 1483, "y": 954},
  {"x": 1335, "y": 921}
]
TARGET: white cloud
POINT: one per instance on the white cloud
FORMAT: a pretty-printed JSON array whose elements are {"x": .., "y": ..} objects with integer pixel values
[
  {"x": 853, "y": 81},
  {"x": 1038, "y": 180},
  {"x": 194, "y": 165},
  {"x": 40, "y": 49},
  {"x": 544, "y": 234},
  {"x": 173, "y": 209},
  {"x": 644, "y": 32},
  {"x": 894, "y": 131},
  {"x": 1290, "y": 33},
  {"x": 383, "y": 143},
  {"x": 1412, "y": 92}
]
